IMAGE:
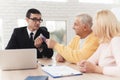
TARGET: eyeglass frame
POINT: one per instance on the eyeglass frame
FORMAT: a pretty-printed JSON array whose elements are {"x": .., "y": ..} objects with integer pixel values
[{"x": 35, "y": 19}]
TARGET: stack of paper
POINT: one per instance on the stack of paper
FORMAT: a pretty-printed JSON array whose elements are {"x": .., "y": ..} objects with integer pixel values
[{"x": 60, "y": 71}]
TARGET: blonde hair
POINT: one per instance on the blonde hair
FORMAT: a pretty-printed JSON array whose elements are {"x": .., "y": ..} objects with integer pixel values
[{"x": 106, "y": 25}]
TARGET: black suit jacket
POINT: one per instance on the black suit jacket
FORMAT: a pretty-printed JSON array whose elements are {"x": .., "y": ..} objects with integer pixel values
[{"x": 20, "y": 40}]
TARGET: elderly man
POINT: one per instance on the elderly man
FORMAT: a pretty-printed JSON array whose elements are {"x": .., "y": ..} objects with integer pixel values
[{"x": 82, "y": 46}]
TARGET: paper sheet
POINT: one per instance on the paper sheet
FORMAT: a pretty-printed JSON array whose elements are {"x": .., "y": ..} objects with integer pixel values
[{"x": 60, "y": 71}]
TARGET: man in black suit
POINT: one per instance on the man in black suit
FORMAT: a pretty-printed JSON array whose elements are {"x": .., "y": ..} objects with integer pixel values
[{"x": 29, "y": 36}]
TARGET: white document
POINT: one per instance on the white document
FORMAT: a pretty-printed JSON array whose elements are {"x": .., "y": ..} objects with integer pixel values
[{"x": 60, "y": 71}]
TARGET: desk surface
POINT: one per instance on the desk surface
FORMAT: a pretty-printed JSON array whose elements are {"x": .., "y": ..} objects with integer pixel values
[{"x": 22, "y": 74}]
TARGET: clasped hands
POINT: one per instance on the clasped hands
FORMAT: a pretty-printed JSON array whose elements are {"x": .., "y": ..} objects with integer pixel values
[{"x": 88, "y": 67}]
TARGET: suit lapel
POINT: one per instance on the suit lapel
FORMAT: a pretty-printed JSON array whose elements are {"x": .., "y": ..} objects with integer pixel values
[
  {"x": 26, "y": 34},
  {"x": 37, "y": 33}
]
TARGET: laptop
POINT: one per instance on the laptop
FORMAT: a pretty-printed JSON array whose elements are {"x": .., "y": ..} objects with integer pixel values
[{"x": 18, "y": 59}]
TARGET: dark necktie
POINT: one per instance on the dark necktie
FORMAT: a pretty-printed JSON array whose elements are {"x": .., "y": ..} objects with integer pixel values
[{"x": 31, "y": 38}]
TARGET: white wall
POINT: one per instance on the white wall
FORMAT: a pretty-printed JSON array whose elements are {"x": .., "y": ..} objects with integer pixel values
[{"x": 11, "y": 10}]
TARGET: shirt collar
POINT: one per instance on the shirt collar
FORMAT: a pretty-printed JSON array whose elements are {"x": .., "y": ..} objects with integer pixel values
[{"x": 34, "y": 32}]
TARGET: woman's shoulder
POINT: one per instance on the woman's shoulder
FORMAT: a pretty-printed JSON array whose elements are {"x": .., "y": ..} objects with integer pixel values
[{"x": 115, "y": 39}]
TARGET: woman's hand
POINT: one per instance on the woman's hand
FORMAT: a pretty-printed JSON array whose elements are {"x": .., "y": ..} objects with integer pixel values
[{"x": 88, "y": 67}]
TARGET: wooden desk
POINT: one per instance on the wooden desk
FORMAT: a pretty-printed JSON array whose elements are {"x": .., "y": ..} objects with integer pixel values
[{"x": 22, "y": 74}]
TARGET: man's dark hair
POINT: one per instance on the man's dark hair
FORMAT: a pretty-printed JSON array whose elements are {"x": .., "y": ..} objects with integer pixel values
[{"x": 33, "y": 11}]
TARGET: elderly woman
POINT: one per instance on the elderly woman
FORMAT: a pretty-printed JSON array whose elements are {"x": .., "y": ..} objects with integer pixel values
[{"x": 106, "y": 59}]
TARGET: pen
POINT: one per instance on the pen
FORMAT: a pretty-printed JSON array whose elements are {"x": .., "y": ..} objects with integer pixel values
[{"x": 45, "y": 65}]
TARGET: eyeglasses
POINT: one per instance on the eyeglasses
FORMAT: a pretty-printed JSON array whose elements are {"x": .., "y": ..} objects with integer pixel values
[{"x": 35, "y": 19}]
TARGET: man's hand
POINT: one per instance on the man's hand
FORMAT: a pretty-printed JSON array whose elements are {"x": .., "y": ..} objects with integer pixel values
[
  {"x": 50, "y": 43},
  {"x": 38, "y": 41},
  {"x": 59, "y": 58}
]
